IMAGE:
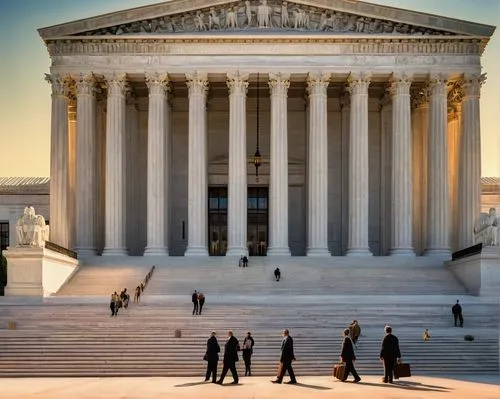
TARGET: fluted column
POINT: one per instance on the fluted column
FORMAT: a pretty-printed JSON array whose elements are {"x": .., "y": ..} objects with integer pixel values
[
  {"x": 278, "y": 185},
  {"x": 237, "y": 176},
  {"x": 469, "y": 195},
  {"x": 59, "y": 162},
  {"x": 197, "y": 166},
  {"x": 85, "y": 165},
  {"x": 358, "y": 166},
  {"x": 72, "y": 174},
  {"x": 115, "y": 203},
  {"x": 317, "y": 177},
  {"x": 158, "y": 177},
  {"x": 438, "y": 216},
  {"x": 401, "y": 181}
]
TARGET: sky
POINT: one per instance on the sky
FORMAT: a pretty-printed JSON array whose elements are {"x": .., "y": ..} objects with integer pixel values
[{"x": 25, "y": 97}]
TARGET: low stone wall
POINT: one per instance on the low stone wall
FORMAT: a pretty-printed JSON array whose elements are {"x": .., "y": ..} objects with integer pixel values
[
  {"x": 36, "y": 272},
  {"x": 480, "y": 273}
]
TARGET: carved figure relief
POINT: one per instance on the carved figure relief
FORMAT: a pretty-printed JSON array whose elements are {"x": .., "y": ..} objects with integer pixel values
[
  {"x": 486, "y": 228},
  {"x": 31, "y": 229},
  {"x": 264, "y": 14}
]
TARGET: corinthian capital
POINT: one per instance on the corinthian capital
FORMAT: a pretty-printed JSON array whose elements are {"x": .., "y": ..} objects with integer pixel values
[
  {"x": 279, "y": 83},
  {"x": 438, "y": 84},
  {"x": 317, "y": 83},
  {"x": 59, "y": 83},
  {"x": 472, "y": 84},
  {"x": 85, "y": 84},
  {"x": 117, "y": 84},
  {"x": 400, "y": 84},
  {"x": 197, "y": 83},
  {"x": 358, "y": 82},
  {"x": 158, "y": 84},
  {"x": 237, "y": 83}
]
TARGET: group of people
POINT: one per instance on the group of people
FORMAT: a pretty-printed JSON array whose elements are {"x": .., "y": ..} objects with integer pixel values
[
  {"x": 243, "y": 262},
  {"x": 119, "y": 301},
  {"x": 198, "y": 299}
]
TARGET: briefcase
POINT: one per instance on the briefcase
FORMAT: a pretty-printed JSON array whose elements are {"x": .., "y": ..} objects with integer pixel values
[
  {"x": 402, "y": 370},
  {"x": 279, "y": 369},
  {"x": 339, "y": 371}
]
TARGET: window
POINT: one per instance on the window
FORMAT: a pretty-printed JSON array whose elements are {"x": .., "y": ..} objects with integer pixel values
[{"x": 4, "y": 235}]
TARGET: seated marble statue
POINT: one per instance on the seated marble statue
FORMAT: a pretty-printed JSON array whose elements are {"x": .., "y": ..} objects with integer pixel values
[
  {"x": 31, "y": 229},
  {"x": 486, "y": 228}
]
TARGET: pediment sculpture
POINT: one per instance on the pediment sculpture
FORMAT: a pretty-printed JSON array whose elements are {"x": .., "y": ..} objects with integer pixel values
[
  {"x": 486, "y": 228},
  {"x": 31, "y": 229},
  {"x": 261, "y": 15}
]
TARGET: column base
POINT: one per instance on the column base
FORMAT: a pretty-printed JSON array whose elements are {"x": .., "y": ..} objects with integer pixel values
[
  {"x": 438, "y": 252},
  {"x": 155, "y": 251},
  {"x": 404, "y": 252},
  {"x": 278, "y": 251},
  {"x": 358, "y": 252},
  {"x": 86, "y": 251},
  {"x": 196, "y": 251},
  {"x": 318, "y": 252},
  {"x": 237, "y": 251},
  {"x": 115, "y": 252}
]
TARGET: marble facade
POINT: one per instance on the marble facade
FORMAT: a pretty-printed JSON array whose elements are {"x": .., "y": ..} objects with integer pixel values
[{"x": 369, "y": 128}]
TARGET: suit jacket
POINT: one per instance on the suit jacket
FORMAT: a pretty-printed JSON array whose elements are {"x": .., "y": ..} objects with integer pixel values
[
  {"x": 213, "y": 350},
  {"x": 347, "y": 353},
  {"x": 194, "y": 298},
  {"x": 287, "y": 354},
  {"x": 456, "y": 309},
  {"x": 231, "y": 350},
  {"x": 252, "y": 342},
  {"x": 390, "y": 348}
]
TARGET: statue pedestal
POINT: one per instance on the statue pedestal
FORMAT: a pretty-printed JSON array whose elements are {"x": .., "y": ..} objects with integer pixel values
[
  {"x": 480, "y": 273},
  {"x": 36, "y": 272}
]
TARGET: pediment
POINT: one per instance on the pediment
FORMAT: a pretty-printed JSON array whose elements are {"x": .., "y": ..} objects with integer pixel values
[{"x": 260, "y": 17}]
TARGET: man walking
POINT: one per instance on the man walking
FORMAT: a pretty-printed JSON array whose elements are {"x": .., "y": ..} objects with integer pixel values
[
  {"x": 457, "y": 314},
  {"x": 389, "y": 354},
  {"x": 201, "y": 301},
  {"x": 194, "y": 299},
  {"x": 212, "y": 357},
  {"x": 348, "y": 357},
  {"x": 231, "y": 349},
  {"x": 287, "y": 356}
]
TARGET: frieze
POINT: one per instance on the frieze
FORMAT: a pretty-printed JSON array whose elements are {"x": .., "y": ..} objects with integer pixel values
[{"x": 269, "y": 15}]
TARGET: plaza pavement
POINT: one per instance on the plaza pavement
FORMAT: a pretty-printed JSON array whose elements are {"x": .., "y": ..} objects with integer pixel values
[{"x": 371, "y": 387}]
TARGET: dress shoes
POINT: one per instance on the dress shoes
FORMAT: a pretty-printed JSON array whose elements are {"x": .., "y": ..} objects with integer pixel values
[
  {"x": 276, "y": 381},
  {"x": 357, "y": 380},
  {"x": 291, "y": 382}
]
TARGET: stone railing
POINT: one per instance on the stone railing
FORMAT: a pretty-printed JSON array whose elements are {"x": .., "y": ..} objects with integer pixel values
[{"x": 61, "y": 250}]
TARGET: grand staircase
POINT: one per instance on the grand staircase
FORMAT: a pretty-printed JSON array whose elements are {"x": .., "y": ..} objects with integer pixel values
[{"x": 72, "y": 334}]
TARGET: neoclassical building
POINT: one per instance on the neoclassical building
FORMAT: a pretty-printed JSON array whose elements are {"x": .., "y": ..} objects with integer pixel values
[{"x": 320, "y": 127}]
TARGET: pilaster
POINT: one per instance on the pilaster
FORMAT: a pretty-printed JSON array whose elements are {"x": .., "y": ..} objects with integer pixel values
[
  {"x": 317, "y": 177},
  {"x": 358, "y": 166},
  {"x": 197, "y": 166},
  {"x": 278, "y": 187}
]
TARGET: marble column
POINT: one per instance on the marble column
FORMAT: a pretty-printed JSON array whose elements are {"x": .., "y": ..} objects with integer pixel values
[
  {"x": 438, "y": 217},
  {"x": 358, "y": 166},
  {"x": 237, "y": 175},
  {"x": 401, "y": 172},
  {"x": 115, "y": 203},
  {"x": 157, "y": 170},
  {"x": 469, "y": 195},
  {"x": 278, "y": 185},
  {"x": 72, "y": 174},
  {"x": 85, "y": 165},
  {"x": 59, "y": 162},
  {"x": 317, "y": 176},
  {"x": 197, "y": 166}
]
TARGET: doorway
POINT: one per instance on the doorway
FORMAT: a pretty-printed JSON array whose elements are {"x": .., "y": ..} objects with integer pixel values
[
  {"x": 257, "y": 221},
  {"x": 217, "y": 220}
]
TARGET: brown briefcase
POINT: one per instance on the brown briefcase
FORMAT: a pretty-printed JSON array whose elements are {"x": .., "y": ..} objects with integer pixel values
[
  {"x": 339, "y": 371},
  {"x": 402, "y": 370}
]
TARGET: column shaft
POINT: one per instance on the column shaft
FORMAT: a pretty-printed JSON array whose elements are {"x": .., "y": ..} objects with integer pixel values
[
  {"x": 401, "y": 182},
  {"x": 237, "y": 175},
  {"x": 85, "y": 165},
  {"x": 469, "y": 195},
  {"x": 317, "y": 201},
  {"x": 158, "y": 176},
  {"x": 72, "y": 175},
  {"x": 59, "y": 162},
  {"x": 437, "y": 196},
  {"x": 197, "y": 167},
  {"x": 278, "y": 185},
  {"x": 358, "y": 167}
]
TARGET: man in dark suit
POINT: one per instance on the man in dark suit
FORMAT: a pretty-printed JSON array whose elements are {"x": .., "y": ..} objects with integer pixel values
[
  {"x": 231, "y": 349},
  {"x": 348, "y": 357},
  {"x": 287, "y": 356},
  {"x": 389, "y": 354},
  {"x": 212, "y": 357},
  {"x": 457, "y": 314},
  {"x": 194, "y": 299}
]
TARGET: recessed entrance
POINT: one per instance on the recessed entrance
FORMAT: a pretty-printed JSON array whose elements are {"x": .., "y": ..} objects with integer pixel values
[{"x": 257, "y": 220}]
